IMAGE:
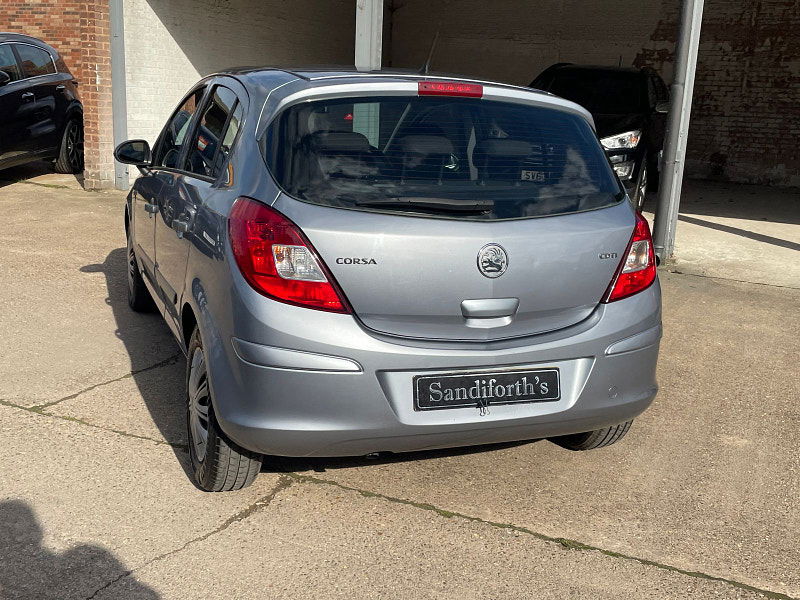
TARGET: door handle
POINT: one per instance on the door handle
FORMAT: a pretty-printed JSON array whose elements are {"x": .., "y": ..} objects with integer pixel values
[
  {"x": 150, "y": 208},
  {"x": 27, "y": 97},
  {"x": 180, "y": 227}
]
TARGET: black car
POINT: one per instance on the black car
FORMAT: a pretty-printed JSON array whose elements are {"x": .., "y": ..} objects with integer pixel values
[
  {"x": 41, "y": 116},
  {"x": 629, "y": 107}
]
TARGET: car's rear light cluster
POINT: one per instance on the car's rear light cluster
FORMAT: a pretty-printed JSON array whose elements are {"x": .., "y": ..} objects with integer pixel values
[
  {"x": 449, "y": 88},
  {"x": 638, "y": 267},
  {"x": 277, "y": 260}
]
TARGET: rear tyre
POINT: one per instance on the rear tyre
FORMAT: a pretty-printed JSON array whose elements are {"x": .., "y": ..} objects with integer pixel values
[
  {"x": 70, "y": 153},
  {"x": 219, "y": 465},
  {"x": 139, "y": 298},
  {"x": 593, "y": 439}
]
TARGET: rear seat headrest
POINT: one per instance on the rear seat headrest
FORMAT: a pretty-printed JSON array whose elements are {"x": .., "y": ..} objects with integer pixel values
[
  {"x": 503, "y": 147},
  {"x": 340, "y": 141},
  {"x": 426, "y": 144}
]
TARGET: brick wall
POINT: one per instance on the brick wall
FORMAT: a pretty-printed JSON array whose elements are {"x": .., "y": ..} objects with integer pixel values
[
  {"x": 746, "y": 107},
  {"x": 79, "y": 31},
  {"x": 746, "y": 113}
]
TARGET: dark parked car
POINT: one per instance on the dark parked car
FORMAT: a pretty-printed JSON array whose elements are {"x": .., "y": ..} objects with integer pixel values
[
  {"x": 629, "y": 108},
  {"x": 41, "y": 116}
]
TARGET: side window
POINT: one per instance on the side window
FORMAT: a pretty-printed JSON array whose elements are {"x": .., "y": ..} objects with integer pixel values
[
  {"x": 662, "y": 93},
  {"x": 174, "y": 134},
  {"x": 652, "y": 93},
  {"x": 215, "y": 134},
  {"x": 35, "y": 61},
  {"x": 8, "y": 63}
]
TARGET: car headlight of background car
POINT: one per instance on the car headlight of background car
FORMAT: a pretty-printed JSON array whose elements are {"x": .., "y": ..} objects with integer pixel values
[{"x": 622, "y": 141}]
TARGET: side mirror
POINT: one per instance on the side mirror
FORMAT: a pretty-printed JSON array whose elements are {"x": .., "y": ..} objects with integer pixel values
[
  {"x": 662, "y": 107},
  {"x": 134, "y": 152},
  {"x": 4, "y": 78}
]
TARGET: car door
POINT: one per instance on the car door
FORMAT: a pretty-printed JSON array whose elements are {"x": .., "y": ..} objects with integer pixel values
[
  {"x": 16, "y": 107},
  {"x": 39, "y": 69},
  {"x": 202, "y": 164}
]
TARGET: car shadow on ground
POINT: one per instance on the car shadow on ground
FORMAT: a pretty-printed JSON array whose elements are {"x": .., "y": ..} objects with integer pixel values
[
  {"x": 41, "y": 172},
  {"x": 157, "y": 363},
  {"x": 30, "y": 571},
  {"x": 161, "y": 383}
]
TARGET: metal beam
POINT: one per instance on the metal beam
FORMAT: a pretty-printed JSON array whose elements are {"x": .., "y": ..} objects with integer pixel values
[
  {"x": 369, "y": 34},
  {"x": 669, "y": 192},
  {"x": 119, "y": 101}
]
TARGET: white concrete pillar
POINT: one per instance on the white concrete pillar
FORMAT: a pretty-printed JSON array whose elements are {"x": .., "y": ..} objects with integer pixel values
[{"x": 369, "y": 34}]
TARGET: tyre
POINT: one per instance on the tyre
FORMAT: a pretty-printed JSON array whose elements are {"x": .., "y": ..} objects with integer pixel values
[
  {"x": 70, "y": 153},
  {"x": 219, "y": 465},
  {"x": 640, "y": 193},
  {"x": 139, "y": 298},
  {"x": 593, "y": 439}
]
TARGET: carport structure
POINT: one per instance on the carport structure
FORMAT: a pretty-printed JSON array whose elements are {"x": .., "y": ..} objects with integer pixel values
[{"x": 411, "y": 30}]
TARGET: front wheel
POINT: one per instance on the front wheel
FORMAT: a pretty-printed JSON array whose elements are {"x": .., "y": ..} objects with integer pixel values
[
  {"x": 593, "y": 439},
  {"x": 139, "y": 298},
  {"x": 70, "y": 153},
  {"x": 640, "y": 193},
  {"x": 219, "y": 465}
]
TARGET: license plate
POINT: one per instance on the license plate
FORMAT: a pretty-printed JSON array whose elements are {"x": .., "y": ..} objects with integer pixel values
[{"x": 460, "y": 390}]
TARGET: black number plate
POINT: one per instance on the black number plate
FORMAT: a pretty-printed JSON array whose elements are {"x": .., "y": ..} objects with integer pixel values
[{"x": 450, "y": 390}]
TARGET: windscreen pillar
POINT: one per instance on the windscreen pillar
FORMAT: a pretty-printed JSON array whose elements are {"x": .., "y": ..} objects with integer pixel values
[
  {"x": 669, "y": 192},
  {"x": 369, "y": 34}
]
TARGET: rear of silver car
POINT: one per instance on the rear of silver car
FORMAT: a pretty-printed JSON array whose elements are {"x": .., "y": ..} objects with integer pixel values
[{"x": 426, "y": 264}]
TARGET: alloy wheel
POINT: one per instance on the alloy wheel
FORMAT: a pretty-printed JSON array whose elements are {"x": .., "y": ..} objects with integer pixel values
[
  {"x": 641, "y": 188},
  {"x": 199, "y": 403},
  {"x": 74, "y": 141}
]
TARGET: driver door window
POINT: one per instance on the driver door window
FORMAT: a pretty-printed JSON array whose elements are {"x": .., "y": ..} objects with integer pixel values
[{"x": 174, "y": 134}]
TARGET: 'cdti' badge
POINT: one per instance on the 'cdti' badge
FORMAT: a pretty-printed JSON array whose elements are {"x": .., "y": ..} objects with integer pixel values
[{"x": 492, "y": 260}]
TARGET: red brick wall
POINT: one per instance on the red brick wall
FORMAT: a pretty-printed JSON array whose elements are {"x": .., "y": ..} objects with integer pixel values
[
  {"x": 746, "y": 109},
  {"x": 80, "y": 32}
]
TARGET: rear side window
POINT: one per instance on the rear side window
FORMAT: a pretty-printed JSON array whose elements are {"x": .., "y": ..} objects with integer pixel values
[
  {"x": 456, "y": 157},
  {"x": 8, "y": 64},
  {"x": 215, "y": 134},
  {"x": 35, "y": 61}
]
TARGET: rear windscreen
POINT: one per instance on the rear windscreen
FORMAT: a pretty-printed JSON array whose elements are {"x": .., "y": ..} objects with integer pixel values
[{"x": 458, "y": 157}]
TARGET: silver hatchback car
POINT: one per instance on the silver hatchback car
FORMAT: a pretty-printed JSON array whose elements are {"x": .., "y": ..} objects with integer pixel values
[{"x": 386, "y": 262}]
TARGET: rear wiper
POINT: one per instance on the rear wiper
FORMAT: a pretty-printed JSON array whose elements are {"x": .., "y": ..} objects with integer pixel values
[{"x": 441, "y": 204}]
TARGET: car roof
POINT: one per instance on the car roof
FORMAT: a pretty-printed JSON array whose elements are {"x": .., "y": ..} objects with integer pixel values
[
  {"x": 6, "y": 36},
  {"x": 319, "y": 73}
]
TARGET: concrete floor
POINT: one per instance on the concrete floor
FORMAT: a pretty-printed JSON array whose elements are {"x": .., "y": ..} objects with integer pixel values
[{"x": 699, "y": 501}]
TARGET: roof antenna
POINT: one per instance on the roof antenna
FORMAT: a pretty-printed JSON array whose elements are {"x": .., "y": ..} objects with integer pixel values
[{"x": 424, "y": 69}]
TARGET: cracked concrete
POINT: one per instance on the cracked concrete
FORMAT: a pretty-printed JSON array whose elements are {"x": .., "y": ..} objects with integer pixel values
[{"x": 697, "y": 502}]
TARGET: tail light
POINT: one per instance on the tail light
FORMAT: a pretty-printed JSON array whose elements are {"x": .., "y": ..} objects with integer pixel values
[
  {"x": 278, "y": 261},
  {"x": 638, "y": 267}
]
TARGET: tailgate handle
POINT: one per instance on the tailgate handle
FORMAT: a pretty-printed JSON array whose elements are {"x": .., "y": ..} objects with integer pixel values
[{"x": 489, "y": 308}]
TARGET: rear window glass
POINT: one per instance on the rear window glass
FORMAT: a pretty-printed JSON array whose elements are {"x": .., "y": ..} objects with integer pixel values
[{"x": 458, "y": 157}]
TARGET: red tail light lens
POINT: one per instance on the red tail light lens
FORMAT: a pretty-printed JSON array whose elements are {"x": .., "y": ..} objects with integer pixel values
[
  {"x": 450, "y": 88},
  {"x": 638, "y": 267},
  {"x": 277, "y": 260}
]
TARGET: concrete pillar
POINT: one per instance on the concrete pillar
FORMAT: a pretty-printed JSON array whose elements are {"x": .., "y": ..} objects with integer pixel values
[{"x": 369, "y": 34}]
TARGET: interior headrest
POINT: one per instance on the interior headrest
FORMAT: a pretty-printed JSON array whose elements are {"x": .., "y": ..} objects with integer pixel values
[
  {"x": 503, "y": 147},
  {"x": 426, "y": 144},
  {"x": 340, "y": 141}
]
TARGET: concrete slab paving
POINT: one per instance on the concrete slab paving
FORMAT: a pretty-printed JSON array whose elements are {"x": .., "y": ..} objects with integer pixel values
[
  {"x": 707, "y": 480},
  {"x": 63, "y": 312},
  {"x": 315, "y": 541},
  {"x": 80, "y": 506}
]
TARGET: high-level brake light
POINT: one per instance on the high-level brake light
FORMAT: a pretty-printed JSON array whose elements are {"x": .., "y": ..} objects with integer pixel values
[
  {"x": 277, "y": 260},
  {"x": 450, "y": 88}
]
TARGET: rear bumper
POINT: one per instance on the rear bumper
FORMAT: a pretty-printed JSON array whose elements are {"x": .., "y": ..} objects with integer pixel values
[{"x": 330, "y": 388}]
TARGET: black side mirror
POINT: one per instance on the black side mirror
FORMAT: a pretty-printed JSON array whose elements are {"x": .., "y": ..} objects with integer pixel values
[
  {"x": 4, "y": 78},
  {"x": 662, "y": 108},
  {"x": 134, "y": 152}
]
